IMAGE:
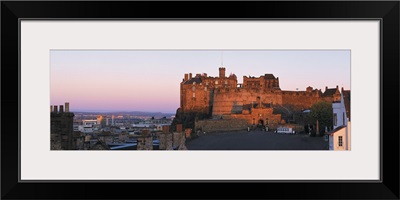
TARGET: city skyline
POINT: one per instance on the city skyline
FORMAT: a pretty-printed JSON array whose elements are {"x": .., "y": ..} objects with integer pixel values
[{"x": 149, "y": 80}]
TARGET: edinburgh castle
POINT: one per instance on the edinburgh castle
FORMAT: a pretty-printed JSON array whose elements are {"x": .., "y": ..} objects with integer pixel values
[{"x": 258, "y": 100}]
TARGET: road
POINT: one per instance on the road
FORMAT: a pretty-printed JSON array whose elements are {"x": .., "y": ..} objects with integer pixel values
[{"x": 255, "y": 140}]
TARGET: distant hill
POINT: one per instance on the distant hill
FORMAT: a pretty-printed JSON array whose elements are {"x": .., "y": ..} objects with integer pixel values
[{"x": 137, "y": 113}]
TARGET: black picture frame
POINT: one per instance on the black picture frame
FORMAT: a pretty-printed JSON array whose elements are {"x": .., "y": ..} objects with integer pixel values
[{"x": 386, "y": 11}]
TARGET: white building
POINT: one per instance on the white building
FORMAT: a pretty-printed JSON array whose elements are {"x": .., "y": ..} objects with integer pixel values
[
  {"x": 159, "y": 127},
  {"x": 89, "y": 122},
  {"x": 340, "y": 136},
  {"x": 86, "y": 128}
]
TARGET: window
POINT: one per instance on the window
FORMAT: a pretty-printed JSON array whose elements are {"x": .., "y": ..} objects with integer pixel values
[
  {"x": 334, "y": 119},
  {"x": 216, "y": 82},
  {"x": 340, "y": 141},
  {"x": 194, "y": 95}
]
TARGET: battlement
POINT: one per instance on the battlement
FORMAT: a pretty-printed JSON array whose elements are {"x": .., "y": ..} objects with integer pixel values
[{"x": 315, "y": 93}]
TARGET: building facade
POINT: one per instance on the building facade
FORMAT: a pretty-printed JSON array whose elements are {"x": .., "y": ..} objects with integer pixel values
[{"x": 340, "y": 136}]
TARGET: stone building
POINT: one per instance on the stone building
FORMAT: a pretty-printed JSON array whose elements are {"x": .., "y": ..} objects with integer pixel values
[
  {"x": 61, "y": 130},
  {"x": 100, "y": 145},
  {"x": 253, "y": 100}
]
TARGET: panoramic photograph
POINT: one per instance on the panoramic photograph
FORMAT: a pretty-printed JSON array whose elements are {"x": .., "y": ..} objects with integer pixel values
[{"x": 200, "y": 100}]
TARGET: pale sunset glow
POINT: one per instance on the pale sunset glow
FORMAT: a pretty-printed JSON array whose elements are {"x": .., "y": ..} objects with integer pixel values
[{"x": 149, "y": 80}]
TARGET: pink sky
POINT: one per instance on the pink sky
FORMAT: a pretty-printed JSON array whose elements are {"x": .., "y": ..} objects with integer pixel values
[{"x": 149, "y": 80}]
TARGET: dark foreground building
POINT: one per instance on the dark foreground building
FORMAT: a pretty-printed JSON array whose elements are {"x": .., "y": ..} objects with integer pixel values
[{"x": 61, "y": 129}]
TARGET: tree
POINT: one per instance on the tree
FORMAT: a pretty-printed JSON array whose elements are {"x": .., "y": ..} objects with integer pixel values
[
  {"x": 323, "y": 112},
  {"x": 187, "y": 119}
]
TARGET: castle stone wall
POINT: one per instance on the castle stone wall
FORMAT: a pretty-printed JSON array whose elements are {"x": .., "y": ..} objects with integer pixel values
[
  {"x": 230, "y": 101},
  {"x": 221, "y": 125},
  {"x": 301, "y": 100}
]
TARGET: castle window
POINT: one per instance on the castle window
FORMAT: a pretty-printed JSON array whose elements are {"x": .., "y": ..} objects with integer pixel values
[{"x": 194, "y": 95}]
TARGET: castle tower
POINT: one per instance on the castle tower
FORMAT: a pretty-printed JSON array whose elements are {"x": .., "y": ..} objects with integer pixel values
[{"x": 222, "y": 72}]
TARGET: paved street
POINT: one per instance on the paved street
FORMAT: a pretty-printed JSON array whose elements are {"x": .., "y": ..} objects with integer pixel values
[{"x": 256, "y": 140}]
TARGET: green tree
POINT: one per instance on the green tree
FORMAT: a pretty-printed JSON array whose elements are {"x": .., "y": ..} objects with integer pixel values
[
  {"x": 187, "y": 119},
  {"x": 323, "y": 112}
]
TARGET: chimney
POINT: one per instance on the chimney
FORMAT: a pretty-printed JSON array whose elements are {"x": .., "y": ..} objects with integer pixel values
[
  {"x": 66, "y": 106},
  {"x": 51, "y": 108},
  {"x": 165, "y": 129},
  {"x": 326, "y": 88},
  {"x": 145, "y": 132},
  {"x": 61, "y": 108},
  {"x": 205, "y": 74},
  {"x": 186, "y": 77},
  {"x": 222, "y": 72},
  {"x": 337, "y": 87},
  {"x": 198, "y": 75},
  {"x": 179, "y": 128},
  {"x": 55, "y": 109},
  {"x": 190, "y": 76}
]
